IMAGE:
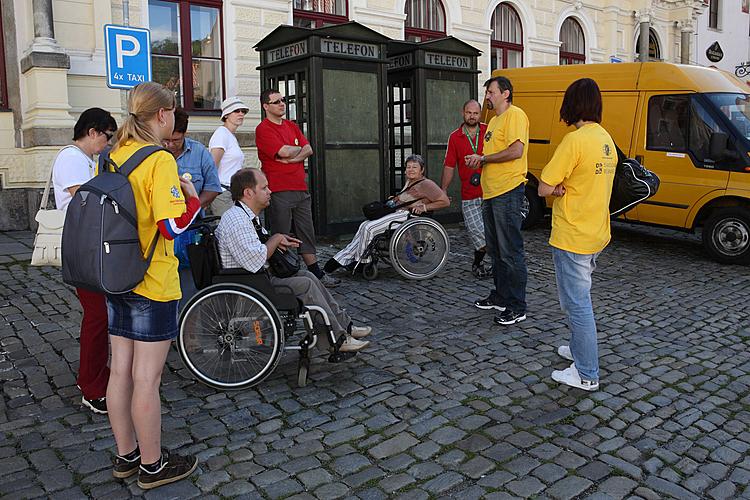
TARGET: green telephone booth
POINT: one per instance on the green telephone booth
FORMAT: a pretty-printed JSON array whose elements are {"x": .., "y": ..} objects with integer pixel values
[
  {"x": 428, "y": 83},
  {"x": 334, "y": 79}
]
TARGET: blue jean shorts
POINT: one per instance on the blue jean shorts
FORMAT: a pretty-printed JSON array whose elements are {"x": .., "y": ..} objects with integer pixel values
[{"x": 137, "y": 318}]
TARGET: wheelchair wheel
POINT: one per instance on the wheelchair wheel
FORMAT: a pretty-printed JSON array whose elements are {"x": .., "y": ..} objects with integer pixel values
[
  {"x": 370, "y": 271},
  {"x": 231, "y": 336},
  {"x": 419, "y": 248}
]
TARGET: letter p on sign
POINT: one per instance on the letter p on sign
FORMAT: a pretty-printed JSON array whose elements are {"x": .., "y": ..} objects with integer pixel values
[{"x": 121, "y": 51}]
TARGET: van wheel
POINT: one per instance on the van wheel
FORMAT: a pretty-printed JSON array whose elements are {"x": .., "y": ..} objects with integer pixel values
[
  {"x": 726, "y": 235},
  {"x": 532, "y": 208}
]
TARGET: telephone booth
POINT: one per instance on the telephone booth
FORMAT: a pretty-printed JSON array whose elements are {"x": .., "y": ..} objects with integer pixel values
[
  {"x": 428, "y": 83},
  {"x": 334, "y": 80}
]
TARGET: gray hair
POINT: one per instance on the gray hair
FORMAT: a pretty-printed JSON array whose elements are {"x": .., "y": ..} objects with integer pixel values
[{"x": 417, "y": 159}]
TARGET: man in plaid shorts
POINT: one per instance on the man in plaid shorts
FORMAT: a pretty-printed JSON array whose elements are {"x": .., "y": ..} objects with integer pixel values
[{"x": 466, "y": 140}]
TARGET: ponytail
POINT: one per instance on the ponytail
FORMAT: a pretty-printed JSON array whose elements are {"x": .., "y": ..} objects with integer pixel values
[{"x": 144, "y": 102}]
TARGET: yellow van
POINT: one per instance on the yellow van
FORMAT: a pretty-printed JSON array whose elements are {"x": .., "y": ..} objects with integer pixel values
[{"x": 690, "y": 125}]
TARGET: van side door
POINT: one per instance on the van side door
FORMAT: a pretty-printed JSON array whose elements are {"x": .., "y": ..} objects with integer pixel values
[{"x": 673, "y": 141}]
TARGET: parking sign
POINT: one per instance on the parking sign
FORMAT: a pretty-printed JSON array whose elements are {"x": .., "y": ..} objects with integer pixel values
[{"x": 128, "y": 56}]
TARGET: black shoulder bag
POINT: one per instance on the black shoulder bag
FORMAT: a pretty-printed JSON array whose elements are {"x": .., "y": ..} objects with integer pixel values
[{"x": 377, "y": 209}]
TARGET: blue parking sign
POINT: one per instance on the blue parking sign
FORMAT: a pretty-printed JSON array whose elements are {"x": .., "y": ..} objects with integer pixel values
[{"x": 128, "y": 53}]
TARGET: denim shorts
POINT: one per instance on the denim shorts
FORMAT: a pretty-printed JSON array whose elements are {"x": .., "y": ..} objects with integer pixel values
[{"x": 137, "y": 318}]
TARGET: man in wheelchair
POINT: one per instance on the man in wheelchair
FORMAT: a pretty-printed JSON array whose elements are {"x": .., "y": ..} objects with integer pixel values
[{"x": 240, "y": 246}]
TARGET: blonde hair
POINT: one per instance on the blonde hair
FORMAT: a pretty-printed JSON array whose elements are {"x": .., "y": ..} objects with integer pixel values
[{"x": 144, "y": 103}]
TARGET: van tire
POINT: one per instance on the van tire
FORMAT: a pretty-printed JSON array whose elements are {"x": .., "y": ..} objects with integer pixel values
[
  {"x": 532, "y": 209},
  {"x": 726, "y": 235}
]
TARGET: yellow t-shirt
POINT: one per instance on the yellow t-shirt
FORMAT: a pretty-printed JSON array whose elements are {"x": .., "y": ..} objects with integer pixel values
[
  {"x": 584, "y": 163},
  {"x": 158, "y": 196},
  {"x": 502, "y": 131}
]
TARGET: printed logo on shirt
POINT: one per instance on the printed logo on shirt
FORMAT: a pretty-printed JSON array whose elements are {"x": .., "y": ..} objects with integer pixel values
[
  {"x": 607, "y": 150},
  {"x": 296, "y": 141},
  {"x": 175, "y": 192},
  {"x": 488, "y": 136}
]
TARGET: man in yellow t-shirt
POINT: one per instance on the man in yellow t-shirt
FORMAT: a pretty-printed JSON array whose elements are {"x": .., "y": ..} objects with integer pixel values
[
  {"x": 580, "y": 176},
  {"x": 504, "y": 170}
]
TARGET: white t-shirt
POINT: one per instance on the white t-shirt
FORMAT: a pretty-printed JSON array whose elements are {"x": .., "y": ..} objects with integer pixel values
[
  {"x": 71, "y": 168},
  {"x": 233, "y": 157}
]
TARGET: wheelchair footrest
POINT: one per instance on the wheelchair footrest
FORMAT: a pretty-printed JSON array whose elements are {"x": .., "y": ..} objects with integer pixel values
[{"x": 338, "y": 357}]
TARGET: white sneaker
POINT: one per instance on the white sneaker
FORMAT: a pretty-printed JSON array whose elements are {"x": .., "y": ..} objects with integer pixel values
[
  {"x": 571, "y": 377},
  {"x": 360, "y": 332},
  {"x": 351, "y": 344},
  {"x": 564, "y": 351}
]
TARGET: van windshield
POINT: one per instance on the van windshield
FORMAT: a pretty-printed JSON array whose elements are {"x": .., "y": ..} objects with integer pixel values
[{"x": 736, "y": 107}]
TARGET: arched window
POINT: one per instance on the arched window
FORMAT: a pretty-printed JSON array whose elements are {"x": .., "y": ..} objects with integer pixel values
[
  {"x": 507, "y": 38},
  {"x": 654, "y": 51},
  {"x": 319, "y": 13},
  {"x": 573, "y": 47},
  {"x": 425, "y": 20}
]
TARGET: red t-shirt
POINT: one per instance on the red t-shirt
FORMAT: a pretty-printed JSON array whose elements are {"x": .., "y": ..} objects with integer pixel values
[
  {"x": 459, "y": 147},
  {"x": 269, "y": 138}
]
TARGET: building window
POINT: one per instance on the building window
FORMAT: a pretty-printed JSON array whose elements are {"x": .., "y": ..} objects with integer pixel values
[
  {"x": 654, "y": 51},
  {"x": 573, "y": 47},
  {"x": 507, "y": 38},
  {"x": 186, "y": 39},
  {"x": 425, "y": 20},
  {"x": 713, "y": 14},
  {"x": 319, "y": 13}
]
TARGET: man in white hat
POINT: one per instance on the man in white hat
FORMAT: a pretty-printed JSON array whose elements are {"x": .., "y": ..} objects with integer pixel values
[
  {"x": 225, "y": 150},
  {"x": 282, "y": 150}
]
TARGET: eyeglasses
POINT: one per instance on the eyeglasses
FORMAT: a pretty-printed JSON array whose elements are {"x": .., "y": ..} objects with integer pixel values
[
  {"x": 278, "y": 101},
  {"x": 109, "y": 135},
  {"x": 242, "y": 110}
]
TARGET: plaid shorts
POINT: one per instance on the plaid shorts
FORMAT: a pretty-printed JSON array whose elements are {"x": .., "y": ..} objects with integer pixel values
[
  {"x": 137, "y": 318},
  {"x": 472, "y": 210}
]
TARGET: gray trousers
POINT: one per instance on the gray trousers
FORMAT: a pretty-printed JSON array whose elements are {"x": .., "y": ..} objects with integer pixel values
[
  {"x": 222, "y": 203},
  {"x": 307, "y": 288}
]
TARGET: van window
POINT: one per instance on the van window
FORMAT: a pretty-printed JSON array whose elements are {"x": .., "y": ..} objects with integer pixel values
[
  {"x": 702, "y": 125},
  {"x": 667, "y": 123}
]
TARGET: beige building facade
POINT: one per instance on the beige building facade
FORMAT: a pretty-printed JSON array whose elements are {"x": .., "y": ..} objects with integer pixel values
[{"x": 54, "y": 56}]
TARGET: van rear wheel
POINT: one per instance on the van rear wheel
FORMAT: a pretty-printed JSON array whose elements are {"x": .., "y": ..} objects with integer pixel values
[
  {"x": 726, "y": 235},
  {"x": 532, "y": 208}
]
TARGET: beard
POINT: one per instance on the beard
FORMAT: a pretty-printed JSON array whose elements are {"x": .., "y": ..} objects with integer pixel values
[{"x": 471, "y": 123}]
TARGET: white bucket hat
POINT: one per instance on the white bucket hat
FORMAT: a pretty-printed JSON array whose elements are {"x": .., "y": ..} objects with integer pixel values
[{"x": 231, "y": 104}]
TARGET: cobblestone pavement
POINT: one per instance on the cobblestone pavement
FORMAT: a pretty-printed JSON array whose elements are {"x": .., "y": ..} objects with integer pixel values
[{"x": 443, "y": 404}]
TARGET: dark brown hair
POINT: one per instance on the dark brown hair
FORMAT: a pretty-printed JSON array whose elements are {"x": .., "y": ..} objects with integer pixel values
[
  {"x": 582, "y": 101},
  {"x": 242, "y": 179},
  {"x": 266, "y": 94},
  {"x": 180, "y": 120},
  {"x": 96, "y": 118},
  {"x": 503, "y": 83}
]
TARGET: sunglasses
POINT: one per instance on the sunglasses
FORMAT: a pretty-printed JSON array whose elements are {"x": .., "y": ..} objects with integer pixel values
[
  {"x": 109, "y": 135},
  {"x": 278, "y": 101},
  {"x": 243, "y": 111}
]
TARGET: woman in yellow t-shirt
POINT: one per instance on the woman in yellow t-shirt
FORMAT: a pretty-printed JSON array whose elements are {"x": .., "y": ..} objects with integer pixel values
[
  {"x": 580, "y": 176},
  {"x": 142, "y": 323}
]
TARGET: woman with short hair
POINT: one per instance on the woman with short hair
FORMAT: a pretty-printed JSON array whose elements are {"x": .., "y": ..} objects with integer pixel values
[{"x": 225, "y": 150}]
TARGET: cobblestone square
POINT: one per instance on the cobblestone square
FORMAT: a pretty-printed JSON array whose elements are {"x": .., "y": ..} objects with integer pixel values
[{"x": 442, "y": 404}]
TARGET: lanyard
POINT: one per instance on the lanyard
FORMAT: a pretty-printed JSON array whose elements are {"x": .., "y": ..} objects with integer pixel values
[{"x": 475, "y": 143}]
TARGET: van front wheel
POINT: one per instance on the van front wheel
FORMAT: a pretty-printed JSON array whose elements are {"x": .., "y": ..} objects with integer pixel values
[{"x": 726, "y": 235}]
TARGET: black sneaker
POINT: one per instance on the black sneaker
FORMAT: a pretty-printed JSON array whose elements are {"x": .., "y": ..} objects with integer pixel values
[
  {"x": 122, "y": 467},
  {"x": 173, "y": 468},
  {"x": 509, "y": 317},
  {"x": 96, "y": 405},
  {"x": 487, "y": 303}
]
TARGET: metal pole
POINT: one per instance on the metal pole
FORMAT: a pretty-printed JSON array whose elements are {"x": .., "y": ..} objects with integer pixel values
[
  {"x": 126, "y": 12},
  {"x": 685, "y": 47}
]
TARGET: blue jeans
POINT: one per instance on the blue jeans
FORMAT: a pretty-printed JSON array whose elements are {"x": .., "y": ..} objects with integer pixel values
[
  {"x": 573, "y": 275},
  {"x": 502, "y": 230}
]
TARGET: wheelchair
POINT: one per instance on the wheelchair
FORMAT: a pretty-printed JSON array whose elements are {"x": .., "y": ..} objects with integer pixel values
[
  {"x": 233, "y": 332},
  {"x": 417, "y": 249}
]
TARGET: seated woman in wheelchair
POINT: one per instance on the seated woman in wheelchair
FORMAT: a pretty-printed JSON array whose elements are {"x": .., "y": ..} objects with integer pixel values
[
  {"x": 240, "y": 246},
  {"x": 422, "y": 194}
]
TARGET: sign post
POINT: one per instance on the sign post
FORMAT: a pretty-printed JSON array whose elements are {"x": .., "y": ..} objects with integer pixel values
[{"x": 128, "y": 54}]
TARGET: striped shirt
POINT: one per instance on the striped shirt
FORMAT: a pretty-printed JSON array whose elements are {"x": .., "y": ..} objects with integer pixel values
[{"x": 239, "y": 245}]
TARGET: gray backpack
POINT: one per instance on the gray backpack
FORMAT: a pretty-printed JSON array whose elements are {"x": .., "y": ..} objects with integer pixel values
[{"x": 101, "y": 250}]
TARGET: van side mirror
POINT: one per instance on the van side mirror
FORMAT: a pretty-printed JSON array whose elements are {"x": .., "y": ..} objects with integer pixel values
[{"x": 717, "y": 146}]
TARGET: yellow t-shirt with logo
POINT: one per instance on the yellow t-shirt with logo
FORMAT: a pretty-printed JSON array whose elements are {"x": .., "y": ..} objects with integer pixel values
[
  {"x": 502, "y": 131},
  {"x": 158, "y": 196},
  {"x": 584, "y": 163}
]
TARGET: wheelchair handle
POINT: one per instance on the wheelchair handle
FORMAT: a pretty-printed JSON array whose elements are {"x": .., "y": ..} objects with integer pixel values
[{"x": 199, "y": 223}]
